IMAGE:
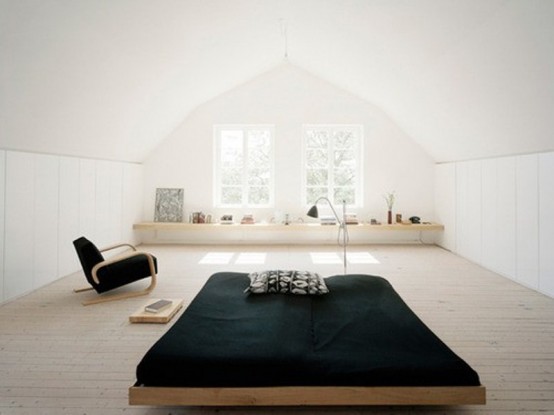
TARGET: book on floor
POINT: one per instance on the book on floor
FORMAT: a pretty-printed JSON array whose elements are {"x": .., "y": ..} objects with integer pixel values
[{"x": 157, "y": 306}]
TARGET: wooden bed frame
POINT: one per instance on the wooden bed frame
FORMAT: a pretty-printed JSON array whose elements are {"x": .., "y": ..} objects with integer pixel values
[
  {"x": 308, "y": 396},
  {"x": 145, "y": 391}
]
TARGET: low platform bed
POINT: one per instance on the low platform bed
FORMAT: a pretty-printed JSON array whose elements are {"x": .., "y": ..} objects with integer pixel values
[{"x": 360, "y": 344}]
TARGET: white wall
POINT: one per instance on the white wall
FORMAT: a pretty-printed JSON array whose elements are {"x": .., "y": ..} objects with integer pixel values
[
  {"x": 503, "y": 215},
  {"x": 470, "y": 96},
  {"x": 51, "y": 200},
  {"x": 288, "y": 98},
  {"x": 2, "y": 208}
]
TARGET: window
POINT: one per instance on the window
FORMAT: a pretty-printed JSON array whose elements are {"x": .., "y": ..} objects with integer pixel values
[
  {"x": 332, "y": 163},
  {"x": 244, "y": 166}
]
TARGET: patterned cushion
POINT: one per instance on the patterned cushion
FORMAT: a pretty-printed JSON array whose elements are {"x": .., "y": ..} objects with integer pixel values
[{"x": 286, "y": 282}]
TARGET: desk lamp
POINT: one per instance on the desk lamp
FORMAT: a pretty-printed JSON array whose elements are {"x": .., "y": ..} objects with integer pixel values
[{"x": 343, "y": 231}]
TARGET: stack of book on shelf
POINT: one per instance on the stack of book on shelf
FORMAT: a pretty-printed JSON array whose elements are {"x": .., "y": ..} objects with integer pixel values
[
  {"x": 351, "y": 219},
  {"x": 226, "y": 220},
  {"x": 328, "y": 220},
  {"x": 247, "y": 220}
]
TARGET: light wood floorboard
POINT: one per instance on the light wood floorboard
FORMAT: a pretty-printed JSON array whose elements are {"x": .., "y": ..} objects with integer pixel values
[{"x": 58, "y": 357}]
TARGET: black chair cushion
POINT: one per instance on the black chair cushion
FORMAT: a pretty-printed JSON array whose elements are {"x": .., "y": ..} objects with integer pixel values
[
  {"x": 124, "y": 272},
  {"x": 88, "y": 255}
]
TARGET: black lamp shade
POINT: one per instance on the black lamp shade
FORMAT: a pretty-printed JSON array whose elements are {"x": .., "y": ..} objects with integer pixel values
[{"x": 313, "y": 213}]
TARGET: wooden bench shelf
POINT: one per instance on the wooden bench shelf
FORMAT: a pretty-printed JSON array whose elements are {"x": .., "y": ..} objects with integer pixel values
[
  {"x": 169, "y": 232},
  {"x": 173, "y": 226}
]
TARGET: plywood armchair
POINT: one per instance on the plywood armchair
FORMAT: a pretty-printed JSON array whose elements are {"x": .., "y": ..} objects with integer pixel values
[{"x": 106, "y": 274}]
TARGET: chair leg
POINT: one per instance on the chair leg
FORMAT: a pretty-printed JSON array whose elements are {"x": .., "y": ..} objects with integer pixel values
[
  {"x": 80, "y": 290},
  {"x": 115, "y": 297},
  {"x": 121, "y": 296}
]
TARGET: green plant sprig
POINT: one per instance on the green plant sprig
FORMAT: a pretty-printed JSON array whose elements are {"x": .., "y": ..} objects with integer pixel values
[{"x": 389, "y": 199}]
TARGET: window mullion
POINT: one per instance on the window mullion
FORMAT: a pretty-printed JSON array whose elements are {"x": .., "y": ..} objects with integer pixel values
[
  {"x": 245, "y": 156},
  {"x": 330, "y": 166}
]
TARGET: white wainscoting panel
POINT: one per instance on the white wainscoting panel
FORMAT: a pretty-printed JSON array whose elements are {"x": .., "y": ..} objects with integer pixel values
[
  {"x": 498, "y": 215},
  {"x": 468, "y": 210},
  {"x": 2, "y": 211},
  {"x": 115, "y": 199},
  {"x": 68, "y": 225},
  {"x": 132, "y": 201},
  {"x": 504, "y": 215},
  {"x": 445, "y": 204},
  {"x": 45, "y": 252},
  {"x": 87, "y": 198},
  {"x": 19, "y": 223},
  {"x": 462, "y": 215},
  {"x": 489, "y": 219},
  {"x": 527, "y": 220},
  {"x": 505, "y": 256},
  {"x": 47, "y": 201},
  {"x": 102, "y": 212},
  {"x": 474, "y": 223},
  {"x": 546, "y": 220}
]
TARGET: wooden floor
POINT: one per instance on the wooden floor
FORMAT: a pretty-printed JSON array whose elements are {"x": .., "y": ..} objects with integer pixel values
[{"x": 58, "y": 357}]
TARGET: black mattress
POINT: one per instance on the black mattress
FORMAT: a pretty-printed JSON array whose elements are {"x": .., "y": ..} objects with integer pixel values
[{"x": 360, "y": 334}]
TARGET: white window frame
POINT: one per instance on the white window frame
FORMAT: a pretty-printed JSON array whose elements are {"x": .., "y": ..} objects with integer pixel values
[
  {"x": 358, "y": 131},
  {"x": 217, "y": 165}
]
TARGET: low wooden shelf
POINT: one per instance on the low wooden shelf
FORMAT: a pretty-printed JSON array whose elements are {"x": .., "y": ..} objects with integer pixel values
[
  {"x": 181, "y": 226},
  {"x": 272, "y": 233}
]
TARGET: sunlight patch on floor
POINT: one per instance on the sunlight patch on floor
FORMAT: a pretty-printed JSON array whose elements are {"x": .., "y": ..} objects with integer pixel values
[
  {"x": 325, "y": 258},
  {"x": 251, "y": 258},
  {"x": 361, "y": 258},
  {"x": 216, "y": 258}
]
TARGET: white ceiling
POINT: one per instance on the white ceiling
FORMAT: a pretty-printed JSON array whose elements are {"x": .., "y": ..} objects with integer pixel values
[{"x": 111, "y": 79}]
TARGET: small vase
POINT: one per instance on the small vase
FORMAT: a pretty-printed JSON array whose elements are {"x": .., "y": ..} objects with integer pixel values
[{"x": 389, "y": 217}]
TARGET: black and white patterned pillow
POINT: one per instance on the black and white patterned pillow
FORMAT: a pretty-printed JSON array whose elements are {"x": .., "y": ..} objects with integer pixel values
[{"x": 286, "y": 282}]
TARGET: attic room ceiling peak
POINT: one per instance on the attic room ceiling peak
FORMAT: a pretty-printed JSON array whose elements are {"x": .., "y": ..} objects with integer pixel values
[{"x": 113, "y": 79}]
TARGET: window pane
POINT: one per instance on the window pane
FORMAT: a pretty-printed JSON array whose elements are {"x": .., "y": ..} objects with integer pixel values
[
  {"x": 258, "y": 195},
  {"x": 317, "y": 158},
  {"x": 231, "y": 147},
  {"x": 231, "y": 195},
  {"x": 313, "y": 193},
  {"x": 231, "y": 176},
  {"x": 343, "y": 139},
  {"x": 259, "y": 169},
  {"x": 258, "y": 158},
  {"x": 317, "y": 139},
  {"x": 259, "y": 149},
  {"x": 317, "y": 177},
  {"x": 259, "y": 176},
  {"x": 344, "y": 158},
  {"x": 259, "y": 139},
  {"x": 344, "y": 177},
  {"x": 344, "y": 193}
]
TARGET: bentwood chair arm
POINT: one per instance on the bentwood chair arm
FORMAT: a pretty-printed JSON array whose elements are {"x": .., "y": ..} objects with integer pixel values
[
  {"x": 121, "y": 245},
  {"x": 118, "y": 258}
]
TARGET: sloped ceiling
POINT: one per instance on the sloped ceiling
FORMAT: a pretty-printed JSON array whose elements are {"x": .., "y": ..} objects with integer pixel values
[{"x": 111, "y": 79}]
